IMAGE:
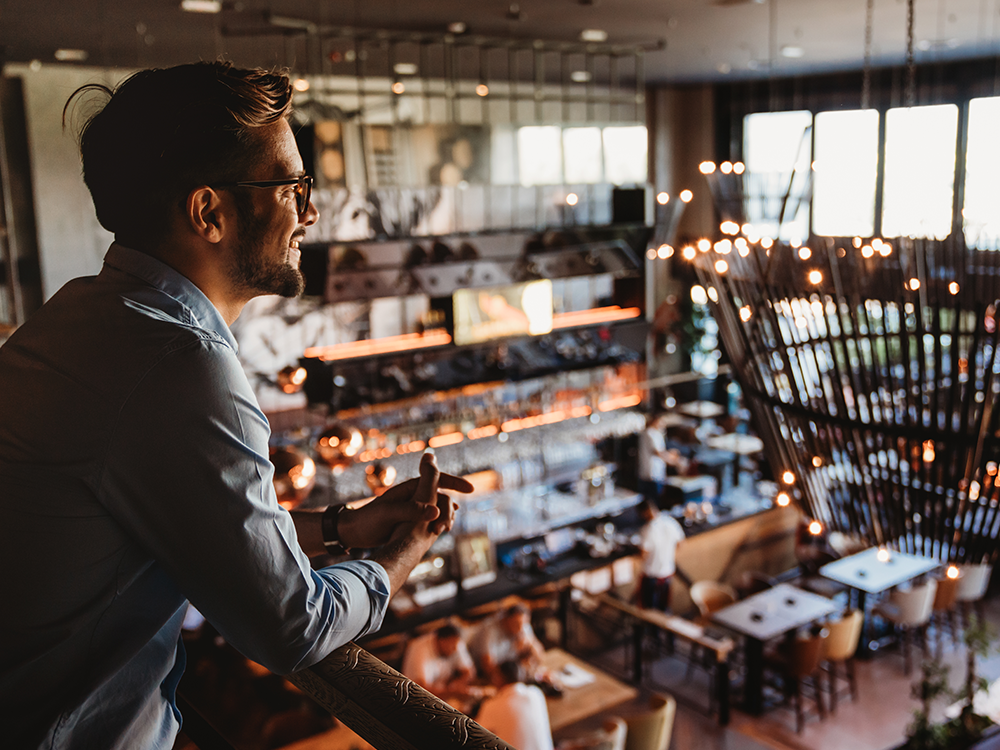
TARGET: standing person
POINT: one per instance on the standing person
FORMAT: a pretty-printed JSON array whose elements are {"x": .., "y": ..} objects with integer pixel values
[
  {"x": 658, "y": 542},
  {"x": 440, "y": 662},
  {"x": 518, "y": 713},
  {"x": 134, "y": 472},
  {"x": 654, "y": 457}
]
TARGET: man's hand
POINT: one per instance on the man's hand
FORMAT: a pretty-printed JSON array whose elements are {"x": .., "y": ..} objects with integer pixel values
[
  {"x": 414, "y": 503},
  {"x": 410, "y": 540}
]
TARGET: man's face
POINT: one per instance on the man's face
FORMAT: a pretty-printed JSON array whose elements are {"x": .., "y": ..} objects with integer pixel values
[
  {"x": 266, "y": 259},
  {"x": 515, "y": 623},
  {"x": 447, "y": 646}
]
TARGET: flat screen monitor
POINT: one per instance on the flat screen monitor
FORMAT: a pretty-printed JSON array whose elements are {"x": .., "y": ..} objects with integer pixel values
[
  {"x": 497, "y": 312},
  {"x": 476, "y": 559}
]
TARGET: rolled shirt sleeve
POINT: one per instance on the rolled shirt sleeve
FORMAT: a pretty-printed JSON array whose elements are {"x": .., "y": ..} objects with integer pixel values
[{"x": 210, "y": 517}]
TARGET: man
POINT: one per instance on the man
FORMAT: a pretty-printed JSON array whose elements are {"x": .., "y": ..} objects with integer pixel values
[
  {"x": 654, "y": 457},
  {"x": 440, "y": 662},
  {"x": 518, "y": 712},
  {"x": 658, "y": 542},
  {"x": 507, "y": 636},
  {"x": 134, "y": 472}
]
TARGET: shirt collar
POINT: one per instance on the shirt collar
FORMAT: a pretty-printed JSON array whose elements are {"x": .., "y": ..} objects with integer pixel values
[{"x": 172, "y": 283}]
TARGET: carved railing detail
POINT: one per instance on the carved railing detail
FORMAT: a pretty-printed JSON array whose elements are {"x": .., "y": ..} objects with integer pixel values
[{"x": 387, "y": 709}]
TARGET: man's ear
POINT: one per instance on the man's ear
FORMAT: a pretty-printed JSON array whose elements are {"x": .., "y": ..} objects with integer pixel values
[{"x": 205, "y": 215}]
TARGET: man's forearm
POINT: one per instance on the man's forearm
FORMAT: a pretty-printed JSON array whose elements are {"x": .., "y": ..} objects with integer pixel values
[{"x": 400, "y": 557}]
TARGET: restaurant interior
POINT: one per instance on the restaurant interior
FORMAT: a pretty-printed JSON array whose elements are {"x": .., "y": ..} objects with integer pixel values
[{"x": 760, "y": 236}]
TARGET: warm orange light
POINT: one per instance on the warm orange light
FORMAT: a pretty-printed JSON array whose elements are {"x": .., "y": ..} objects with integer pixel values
[
  {"x": 369, "y": 347},
  {"x": 398, "y": 87},
  {"x": 449, "y": 438},
  {"x": 594, "y": 315},
  {"x": 815, "y": 528},
  {"x": 415, "y": 446},
  {"x": 788, "y": 477},
  {"x": 882, "y": 555},
  {"x": 622, "y": 402},
  {"x": 482, "y": 89},
  {"x": 783, "y": 499},
  {"x": 487, "y": 430}
]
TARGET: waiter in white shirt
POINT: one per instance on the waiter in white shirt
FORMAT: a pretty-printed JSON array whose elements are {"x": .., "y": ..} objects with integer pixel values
[{"x": 658, "y": 542}]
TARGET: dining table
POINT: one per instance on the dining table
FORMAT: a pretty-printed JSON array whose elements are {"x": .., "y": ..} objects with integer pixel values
[
  {"x": 586, "y": 689},
  {"x": 873, "y": 571},
  {"x": 778, "y": 611}
]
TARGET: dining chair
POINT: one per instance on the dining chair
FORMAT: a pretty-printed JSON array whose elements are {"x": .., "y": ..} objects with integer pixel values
[
  {"x": 943, "y": 610},
  {"x": 909, "y": 610},
  {"x": 798, "y": 664},
  {"x": 711, "y": 596},
  {"x": 611, "y": 736},
  {"x": 838, "y": 651},
  {"x": 973, "y": 581},
  {"x": 652, "y": 730},
  {"x": 708, "y": 597}
]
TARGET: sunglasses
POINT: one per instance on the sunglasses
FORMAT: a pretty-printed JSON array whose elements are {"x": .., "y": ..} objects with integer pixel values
[{"x": 303, "y": 189}]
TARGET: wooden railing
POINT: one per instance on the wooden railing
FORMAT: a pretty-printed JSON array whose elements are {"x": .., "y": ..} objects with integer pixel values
[{"x": 387, "y": 709}]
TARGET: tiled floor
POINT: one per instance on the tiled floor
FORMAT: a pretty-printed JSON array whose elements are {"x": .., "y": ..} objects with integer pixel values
[{"x": 877, "y": 721}]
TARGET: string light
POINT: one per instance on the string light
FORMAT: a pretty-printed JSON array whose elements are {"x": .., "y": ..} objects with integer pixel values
[
  {"x": 686, "y": 196},
  {"x": 782, "y": 499},
  {"x": 662, "y": 198},
  {"x": 706, "y": 167}
]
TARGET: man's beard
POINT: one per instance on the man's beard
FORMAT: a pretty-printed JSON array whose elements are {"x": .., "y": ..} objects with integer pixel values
[{"x": 254, "y": 271}]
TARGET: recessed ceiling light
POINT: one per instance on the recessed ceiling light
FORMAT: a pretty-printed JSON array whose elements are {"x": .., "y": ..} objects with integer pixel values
[
  {"x": 202, "y": 6},
  {"x": 457, "y": 27},
  {"x": 580, "y": 76},
  {"x": 593, "y": 35},
  {"x": 793, "y": 51},
  {"x": 405, "y": 69},
  {"x": 71, "y": 55}
]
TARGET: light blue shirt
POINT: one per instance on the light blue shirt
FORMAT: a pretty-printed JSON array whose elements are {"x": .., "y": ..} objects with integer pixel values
[{"x": 134, "y": 476}]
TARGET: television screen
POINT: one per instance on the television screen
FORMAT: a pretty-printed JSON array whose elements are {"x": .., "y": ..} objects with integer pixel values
[
  {"x": 476, "y": 559},
  {"x": 496, "y": 312}
]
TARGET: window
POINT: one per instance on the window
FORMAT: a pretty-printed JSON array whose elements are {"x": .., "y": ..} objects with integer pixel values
[
  {"x": 846, "y": 173},
  {"x": 778, "y": 152},
  {"x": 919, "y": 171},
  {"x": 625, "y": 154},
  {"x": 539, "y": 155},
  {"x": 982, "y": 165},
  {"x": 582, "y": 156}
]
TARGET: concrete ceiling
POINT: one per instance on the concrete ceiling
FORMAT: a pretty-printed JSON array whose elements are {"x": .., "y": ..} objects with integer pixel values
[{"x": 705, "y": 40}]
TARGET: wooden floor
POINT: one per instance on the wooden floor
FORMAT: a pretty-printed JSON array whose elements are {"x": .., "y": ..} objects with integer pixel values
[{"x": 877, "y": 721}]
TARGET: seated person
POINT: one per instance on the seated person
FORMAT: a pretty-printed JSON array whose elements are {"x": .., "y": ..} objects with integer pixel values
[
  {"x": 439, "y": 661},
  {"x": 507, "y": 636},
  {"x": 518, "y": 713}
]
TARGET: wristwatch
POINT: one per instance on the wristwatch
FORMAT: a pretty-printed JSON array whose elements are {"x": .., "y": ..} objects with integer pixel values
[{"x": 331, "y": 536}]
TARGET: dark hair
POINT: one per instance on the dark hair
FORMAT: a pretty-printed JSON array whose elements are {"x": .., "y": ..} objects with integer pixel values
[
  {"x": 163, "y": 132},
  {"x": 511, "y": 671},
  {"x": 447, "y": 631},
  {"x": 515, "y": 610}
]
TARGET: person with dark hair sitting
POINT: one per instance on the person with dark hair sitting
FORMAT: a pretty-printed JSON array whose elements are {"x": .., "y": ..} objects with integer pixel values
[
  {"x": 518, "y": 713},
  {"x": 439, "y": 661},
  {"x": 507, "y": 636}
]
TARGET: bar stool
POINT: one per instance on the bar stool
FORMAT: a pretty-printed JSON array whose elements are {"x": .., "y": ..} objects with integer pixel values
[
  {"x": 839, "y": 649},
  {"x": 944, "y": 609},
  {"x": 972, "y": 586},
  {"x": 798, "y": 664},
  {"x": 910, "y": 611}
]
